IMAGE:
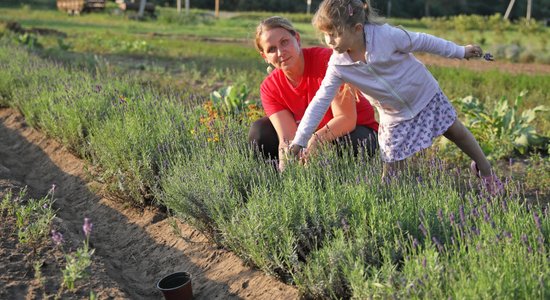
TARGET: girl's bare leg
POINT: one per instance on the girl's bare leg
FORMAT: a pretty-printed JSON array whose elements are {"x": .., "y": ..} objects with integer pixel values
[{"x": 466, "y": 141}]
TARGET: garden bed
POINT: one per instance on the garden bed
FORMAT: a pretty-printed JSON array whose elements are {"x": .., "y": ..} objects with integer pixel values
[{"x": 133, "y": 247}]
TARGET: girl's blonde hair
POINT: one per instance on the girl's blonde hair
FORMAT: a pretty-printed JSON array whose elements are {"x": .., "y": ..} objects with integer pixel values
[
  {"x": 272, "y": 23},
  {"x": 339, "y": 15}
]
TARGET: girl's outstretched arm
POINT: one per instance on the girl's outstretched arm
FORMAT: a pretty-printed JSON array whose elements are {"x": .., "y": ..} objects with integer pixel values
[
  {"x": 409, "y": 41},
  {"x": 317, "y": 108}
]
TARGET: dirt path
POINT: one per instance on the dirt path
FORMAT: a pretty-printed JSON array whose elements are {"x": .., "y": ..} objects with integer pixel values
[
  {"x": 134, "y": 248},
  {"x": 482, "y": 65}
]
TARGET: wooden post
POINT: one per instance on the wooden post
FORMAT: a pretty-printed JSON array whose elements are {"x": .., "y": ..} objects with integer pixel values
[
  {"x": 187, "y": 4},
  {"x": 427, "y": 4},
  {"x": 141, "y": 8},
  {"x": 308, "y": 6},
  {"x": 509, "y": 9},
  {"x": 389, "y": 9},
  {"x": 529, "y": 2},
  {"x": 217, "y": 9},
  {"x": 178, "y": 6}
]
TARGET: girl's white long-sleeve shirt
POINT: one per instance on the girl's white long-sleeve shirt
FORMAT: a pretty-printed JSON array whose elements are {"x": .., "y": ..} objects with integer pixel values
[{"x": 392, "y": 79}]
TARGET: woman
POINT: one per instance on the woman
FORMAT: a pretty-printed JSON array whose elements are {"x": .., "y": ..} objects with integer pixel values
[{"x": 287, "y": 91}]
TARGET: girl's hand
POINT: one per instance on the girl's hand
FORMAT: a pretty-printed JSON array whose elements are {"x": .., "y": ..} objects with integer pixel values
[
  {"x": 296, "y": 151},
  {"x": 472, "y": 51},
  {"x": 287, "y": 154}
]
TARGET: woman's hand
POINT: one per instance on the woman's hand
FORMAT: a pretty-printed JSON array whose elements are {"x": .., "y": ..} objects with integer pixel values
[{"x": 472, "y": 51}]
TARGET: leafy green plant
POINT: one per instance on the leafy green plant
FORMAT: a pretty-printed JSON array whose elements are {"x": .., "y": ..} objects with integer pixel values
[
  {"x": 37, "y": 266},
  {"x": 76, "y": 266},
  {"x": 503, "y": 129},
  {"x": 33, "y": 220},
  {"x": 29, "y": 40},
  {"x": 63, "y": 45},
  {"x": 77, "y": 263},
  {"x": 7, "y": 204},
  {"x": 231, "y": 99}
]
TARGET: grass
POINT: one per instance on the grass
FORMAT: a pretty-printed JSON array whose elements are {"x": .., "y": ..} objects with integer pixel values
[{"x": 332, "y": 228}]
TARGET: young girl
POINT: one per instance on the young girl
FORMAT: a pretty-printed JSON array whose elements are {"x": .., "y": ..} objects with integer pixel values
[{"x": 377, "y": 59}]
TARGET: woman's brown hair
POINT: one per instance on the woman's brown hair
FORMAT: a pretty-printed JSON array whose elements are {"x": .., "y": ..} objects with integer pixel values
[{"x": 271, "y": 23}]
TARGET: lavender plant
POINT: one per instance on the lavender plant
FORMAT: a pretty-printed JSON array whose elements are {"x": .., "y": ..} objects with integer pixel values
[
  {"x": 34, "y": 219},
  {"x": 78, "y": 262}
]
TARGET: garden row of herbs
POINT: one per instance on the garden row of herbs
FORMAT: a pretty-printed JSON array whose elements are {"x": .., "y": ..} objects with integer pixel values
[
  {"x": 332, "y": 228},
  {"x": 32, "y": 221}
]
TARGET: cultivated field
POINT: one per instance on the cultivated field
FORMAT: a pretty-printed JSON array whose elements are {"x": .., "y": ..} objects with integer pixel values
[{"x": 151, "y": 152}]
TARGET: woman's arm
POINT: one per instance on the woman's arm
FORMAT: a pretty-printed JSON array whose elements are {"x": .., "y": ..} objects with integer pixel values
[
  {"x": 344, "y": 119},
  {"x": 285, "y": 126}
]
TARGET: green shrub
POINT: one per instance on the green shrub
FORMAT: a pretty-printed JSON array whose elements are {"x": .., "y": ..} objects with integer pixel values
[{"x": 503, "y": 129}]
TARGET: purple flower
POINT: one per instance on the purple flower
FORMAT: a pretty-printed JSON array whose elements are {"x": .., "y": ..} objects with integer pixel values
[
  {"x": 452, "y": 218},
  {"x": 415, "y": 243},
  {"x": 504, "y": 204},
  {"x": 486, "y": 216},
  {"x": 438, "y": 244},
  {"x": 345, "y": 225},
  {"x": 507, "y": 234},
  {"x": 462, "y": 215},
  {"x": 52, "y": 189},
  {"x": 540, "y": 240},
  {"x": 537, "y": 220},
  {"x": 471, "y": 200},
  {"x": 57, "y": 237},
  {"x": 87, "y": 227},
  {"x": 475, "y": 213},
  {"x": 524, "y": 238},
  {"x": 440, "y": 215},
  {"x": 423, "y": 229}
]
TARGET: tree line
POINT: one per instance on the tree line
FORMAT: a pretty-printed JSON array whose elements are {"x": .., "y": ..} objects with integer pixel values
[{"x": 391, "y": 8}]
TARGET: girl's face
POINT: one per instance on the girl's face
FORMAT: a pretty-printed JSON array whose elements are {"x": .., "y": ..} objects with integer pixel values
[
  {"x": 346, "y": 41},
  {"x": 280, "y": 48}
]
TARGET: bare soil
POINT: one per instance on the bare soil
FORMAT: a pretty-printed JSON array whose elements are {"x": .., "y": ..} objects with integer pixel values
[
  {"x": 483, "y": 65},
  {"x": 134, "y": 247}
]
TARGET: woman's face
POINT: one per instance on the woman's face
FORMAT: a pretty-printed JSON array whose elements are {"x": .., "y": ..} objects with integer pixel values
[{"x": 280, "y": 48}]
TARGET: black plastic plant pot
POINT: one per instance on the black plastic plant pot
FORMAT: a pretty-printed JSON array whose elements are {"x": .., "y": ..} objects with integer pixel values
[{"x": 176, "y": 286}]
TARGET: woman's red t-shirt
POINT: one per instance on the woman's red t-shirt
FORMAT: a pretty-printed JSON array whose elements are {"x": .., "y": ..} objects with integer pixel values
[{"x": 277, "y": 93}]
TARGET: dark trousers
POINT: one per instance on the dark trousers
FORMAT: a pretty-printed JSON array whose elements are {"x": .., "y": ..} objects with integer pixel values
[{"x": 263, "y": 137}]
